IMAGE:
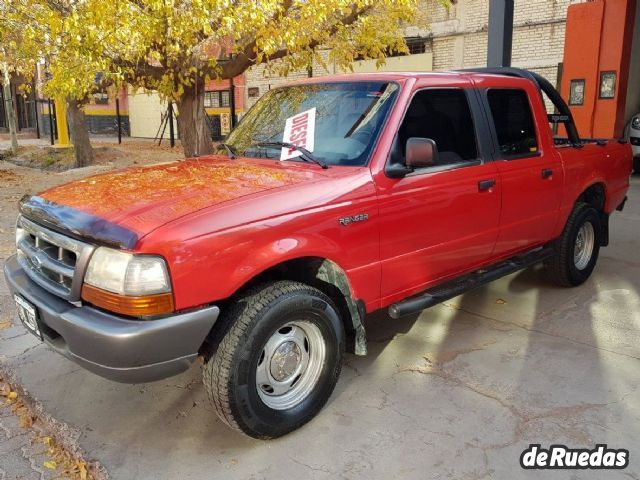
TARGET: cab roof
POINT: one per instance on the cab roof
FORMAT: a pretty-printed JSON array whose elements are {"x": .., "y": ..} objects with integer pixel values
[{"x": 403, "y": 76}]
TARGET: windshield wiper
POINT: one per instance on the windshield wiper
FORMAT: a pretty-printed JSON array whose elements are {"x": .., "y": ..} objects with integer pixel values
[
  {"x": 230, "y": 150},
  {"x": 307, "y": 156}
]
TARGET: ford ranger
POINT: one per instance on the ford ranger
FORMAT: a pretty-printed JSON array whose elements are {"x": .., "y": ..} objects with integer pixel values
[{"x": 332, "y": 198}]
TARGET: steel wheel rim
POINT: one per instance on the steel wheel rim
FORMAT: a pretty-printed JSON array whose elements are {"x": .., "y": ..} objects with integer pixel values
[
  {"x": 290, "y": 364},
  {"x": 583, "y": 249}
]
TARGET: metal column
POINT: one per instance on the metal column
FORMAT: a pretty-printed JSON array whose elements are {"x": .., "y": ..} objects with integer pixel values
[
  {"x": 232, "y": 103},
  {"x": 500, "y": 33}
]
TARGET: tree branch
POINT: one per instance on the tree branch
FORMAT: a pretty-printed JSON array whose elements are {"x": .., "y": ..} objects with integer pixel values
[{"x": 247, "y": 58}]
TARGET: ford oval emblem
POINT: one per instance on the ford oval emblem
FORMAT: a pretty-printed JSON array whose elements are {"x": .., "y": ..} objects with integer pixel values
[{"x": 38, "y": 260}]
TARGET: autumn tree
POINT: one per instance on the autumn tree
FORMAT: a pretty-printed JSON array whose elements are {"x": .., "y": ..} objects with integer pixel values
[
  {"x": 175, "y": 46},
  {"x": 65, "y": 38},
  {"x": 12, "y": 62}
]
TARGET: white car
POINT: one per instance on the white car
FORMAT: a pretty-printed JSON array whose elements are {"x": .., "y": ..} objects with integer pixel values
[{"x": 632, "y": 135}]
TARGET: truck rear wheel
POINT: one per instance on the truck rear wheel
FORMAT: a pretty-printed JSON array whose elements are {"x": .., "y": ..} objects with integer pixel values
[
  {"x": 576, "y": 251},
  {"x": 278, "y": 361}
]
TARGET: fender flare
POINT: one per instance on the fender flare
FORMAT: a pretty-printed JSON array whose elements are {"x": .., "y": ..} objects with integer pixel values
[{"x": 331, "y": 272}]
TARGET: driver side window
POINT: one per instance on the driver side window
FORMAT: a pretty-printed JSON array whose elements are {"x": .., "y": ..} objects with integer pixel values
[{"x": 444, "y": 116}]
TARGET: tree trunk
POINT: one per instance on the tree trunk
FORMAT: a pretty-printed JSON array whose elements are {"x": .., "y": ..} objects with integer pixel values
[
  {"x": 79, "y": 134},
  {"x": 9, "y": 108},
  {"x": 194, "y": 131}
]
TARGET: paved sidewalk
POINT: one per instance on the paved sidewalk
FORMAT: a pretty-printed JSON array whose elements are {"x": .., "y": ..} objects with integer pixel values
[
  {"x": 5, "y": 144},
  {"x": 20, "y": 457},
  {"x": 457, "y": 392},
  {"x": 23, "y": 142}
]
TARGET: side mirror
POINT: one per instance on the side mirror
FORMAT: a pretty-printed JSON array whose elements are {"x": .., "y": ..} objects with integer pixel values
[
  {"x": 397, "y": 170},
  {"x": 421, "y": 152}
]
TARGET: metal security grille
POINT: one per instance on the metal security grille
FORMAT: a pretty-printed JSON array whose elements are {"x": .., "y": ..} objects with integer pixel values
[{"x": 54, "y": 261}]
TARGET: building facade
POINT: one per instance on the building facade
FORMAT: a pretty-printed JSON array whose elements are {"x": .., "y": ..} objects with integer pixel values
[
  {"x": 601, "y": 78},
  {"x": 575, "y": 44},
  {"x": 148, "y": 114},
  {"x": 101, "y": 113},
  {"x": 24, "y": 106},
  {"x": 456, "y": 37}
]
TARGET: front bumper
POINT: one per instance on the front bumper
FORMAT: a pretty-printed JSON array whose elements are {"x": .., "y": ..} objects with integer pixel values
[
  {"x": 635, "y": 149},
  {"x": 117, "y": 348}
]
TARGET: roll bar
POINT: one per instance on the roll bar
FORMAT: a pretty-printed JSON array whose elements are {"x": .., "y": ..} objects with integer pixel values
[{"x": 545, "y": 86}]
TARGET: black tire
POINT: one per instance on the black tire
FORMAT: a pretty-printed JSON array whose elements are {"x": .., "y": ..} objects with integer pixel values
[
  {"x": 561, "y": 268},
  {"x": 230, "y": 375}
]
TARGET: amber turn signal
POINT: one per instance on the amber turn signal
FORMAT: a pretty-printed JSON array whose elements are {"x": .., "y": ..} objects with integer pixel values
[{"x": 131, "y": 306}]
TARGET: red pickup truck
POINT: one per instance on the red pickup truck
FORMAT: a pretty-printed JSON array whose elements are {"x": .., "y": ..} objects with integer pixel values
[{"x": 332, "y": 198}]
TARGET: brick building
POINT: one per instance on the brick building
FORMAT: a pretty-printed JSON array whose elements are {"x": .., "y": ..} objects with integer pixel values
[{"x": 454, "y": 38}]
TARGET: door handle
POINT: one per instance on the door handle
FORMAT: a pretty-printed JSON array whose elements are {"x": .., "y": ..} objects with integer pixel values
[
  {"x": 484, "y": 185},
  {"x": 546, "y": 173}
]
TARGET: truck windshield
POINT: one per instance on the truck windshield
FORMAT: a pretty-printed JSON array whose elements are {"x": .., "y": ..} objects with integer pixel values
[{"x": 337, "y": 122}]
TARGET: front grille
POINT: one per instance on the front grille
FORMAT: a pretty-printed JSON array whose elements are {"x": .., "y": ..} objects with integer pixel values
[{"x": 54, "y": 261}]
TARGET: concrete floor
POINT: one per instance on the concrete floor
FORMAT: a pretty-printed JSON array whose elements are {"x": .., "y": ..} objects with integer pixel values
[{"x": 457, "y": 392}]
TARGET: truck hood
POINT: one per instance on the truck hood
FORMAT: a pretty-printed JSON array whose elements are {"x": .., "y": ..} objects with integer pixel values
[{"x": 118, "y": 208}]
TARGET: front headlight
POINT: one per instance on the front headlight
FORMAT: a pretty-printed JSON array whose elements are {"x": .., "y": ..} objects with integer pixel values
[
  {"x": 136, "y": 285},
  {"x": 635, "y": 123},
  {"x": 127, "y": 274}
]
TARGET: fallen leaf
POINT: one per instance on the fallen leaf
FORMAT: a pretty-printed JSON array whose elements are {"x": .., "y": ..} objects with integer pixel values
[
  {"x": 26, "y": 421},
  {"x": 82, "y": 470},
  {"x": 501, "y": 301},
  {"x": 5, "y": 324},
  {"x": 50, "y": 464},
  {"x": 5, "y": 389},
  {"x": 12, "y": 395},
  {"x": 25, "y": 417}
]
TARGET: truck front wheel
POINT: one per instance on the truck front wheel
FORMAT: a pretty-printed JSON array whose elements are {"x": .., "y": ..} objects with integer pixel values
[
  {"x": 576, "y": 251},
  {"x": 278, "y": 360}
]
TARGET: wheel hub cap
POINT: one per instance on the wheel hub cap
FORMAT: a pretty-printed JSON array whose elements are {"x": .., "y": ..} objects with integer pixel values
[
  {"x": 290, "y": 364},
  {"x": 584, "y": 246},
  {"x": 285, "y": 361}
]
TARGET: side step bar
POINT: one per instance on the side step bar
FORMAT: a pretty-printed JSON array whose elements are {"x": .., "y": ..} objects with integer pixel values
[{"x": 468, "y": 282}]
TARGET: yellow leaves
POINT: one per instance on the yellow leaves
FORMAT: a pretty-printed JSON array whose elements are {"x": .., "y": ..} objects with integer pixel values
[
  {"x": 7, "y": 392},
  {"x": 82, "y": 470},
  {"x": 155, "y": 43},
  {"x": 25, "y": 416},
  {"x": 62, "y": 461}
]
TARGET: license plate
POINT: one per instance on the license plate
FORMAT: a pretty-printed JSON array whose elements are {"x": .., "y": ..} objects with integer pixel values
[{"x": 28, "y": 315}]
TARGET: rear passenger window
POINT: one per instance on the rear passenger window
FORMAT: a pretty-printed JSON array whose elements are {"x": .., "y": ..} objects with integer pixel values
[
  {"x": 444, "y": 116},
  {"x": 514, "y": 122}
]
